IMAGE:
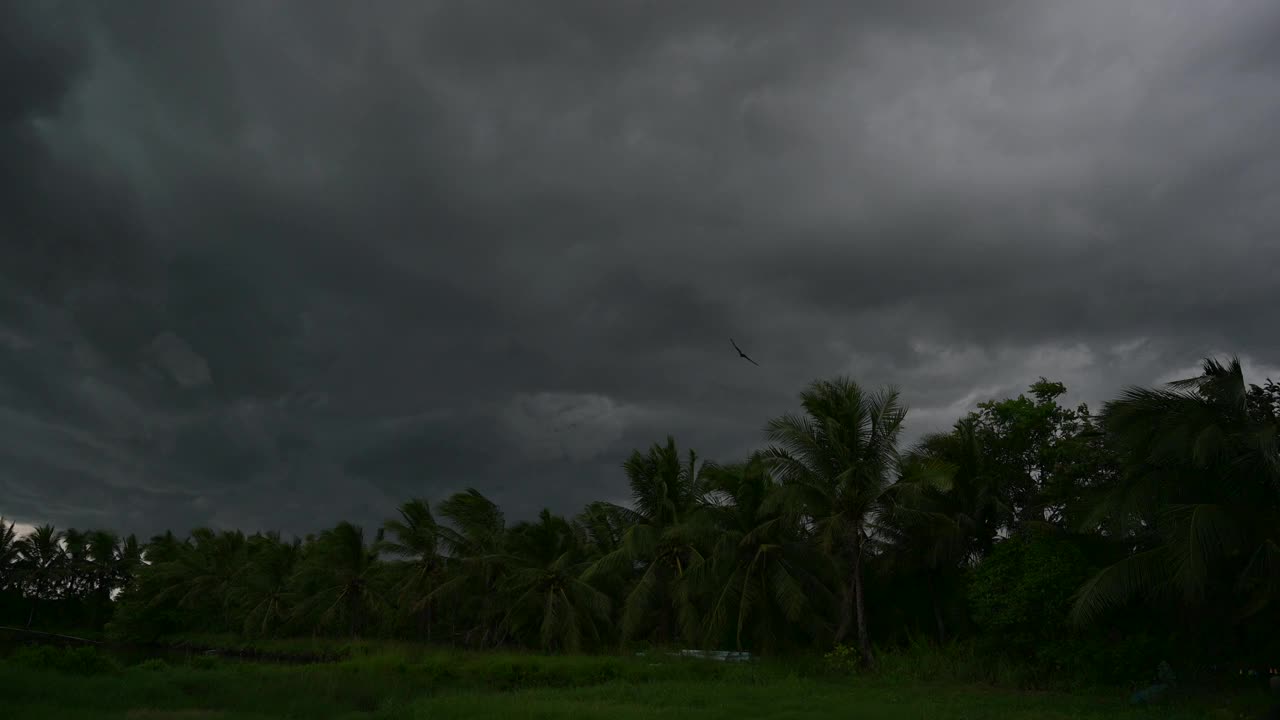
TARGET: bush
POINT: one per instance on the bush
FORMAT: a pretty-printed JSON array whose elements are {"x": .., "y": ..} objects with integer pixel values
[
  {"x": 1021, "y": 594},
  {"x": 205, "y": 662},
  {"x": 78, "y": 661},
  {"x": 1020, "y": 597},
  {"x": 842, "y": 660},
  {"x": 152, "y": 665}
]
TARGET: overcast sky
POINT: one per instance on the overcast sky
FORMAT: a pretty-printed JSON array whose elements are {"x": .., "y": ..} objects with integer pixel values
[{"x": 277, "y": 264}]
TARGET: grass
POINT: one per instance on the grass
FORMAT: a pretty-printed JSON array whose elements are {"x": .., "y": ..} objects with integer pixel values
[
  {"x": 401, "y": 684},
  {"x": 319, "y": 648}
]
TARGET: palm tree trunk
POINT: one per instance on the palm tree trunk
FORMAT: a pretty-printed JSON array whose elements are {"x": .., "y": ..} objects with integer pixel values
[
  {"x": 846, "y": 611},
  {"x": 937, "y": 611},
  {"x": 864, "y": 641}
]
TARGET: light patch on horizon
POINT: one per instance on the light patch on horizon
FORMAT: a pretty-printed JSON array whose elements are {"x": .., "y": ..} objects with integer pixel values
[
  {"x": 574, "y": 426},
  {"x": 12, "y": 340},
  {"x": 19, "y": 529},
  {"x": 1255, "y": 372},
  {"x": 927, "y": 420},
  {"x": 176, "y": 357},
  {"x": 1128, "y": 349}
]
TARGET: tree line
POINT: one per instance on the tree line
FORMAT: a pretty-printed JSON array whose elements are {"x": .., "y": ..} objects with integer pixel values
[{"x": 1039, "y": 532}]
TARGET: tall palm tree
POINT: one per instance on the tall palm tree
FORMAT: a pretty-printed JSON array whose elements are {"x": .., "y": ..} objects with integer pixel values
[
  {"x": 838, "y": 462},
  {"x": 1198, "y": 499},
  {"x": 200, "y": 574},
  {"x": 128, "y": 560},
  {"x": 601, "y": 528},
  {"x": 417, "y": 539},
  {"x": 974, "y": 500},
  {"x": 40, "y": 563},
  {"x": 474, "y": 540},
  {"x": 759, "y": 580},
  {"x": 103, "y": 559},
  {"x": 264, "y": 592},
  {"x": 9, "y": 554},
  {"x": 162, "y": 548},
  {"x": 77, "y": 577},
  {"x": 340, "y": 573},
  {"x": 930, "y": 535},
  {"x": 667, "y": 531},
  {"x": 543, "y": 586},
  {"x": 102, "y": 571}
]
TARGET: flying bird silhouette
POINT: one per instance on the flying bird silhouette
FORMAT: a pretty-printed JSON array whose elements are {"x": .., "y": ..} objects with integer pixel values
[
  {"x": 570, "y": 426},
  {"x": 742, "y": 354}
]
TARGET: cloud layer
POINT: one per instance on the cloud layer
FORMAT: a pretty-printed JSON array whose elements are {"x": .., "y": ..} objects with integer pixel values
[{"x": 277, "y": 264}]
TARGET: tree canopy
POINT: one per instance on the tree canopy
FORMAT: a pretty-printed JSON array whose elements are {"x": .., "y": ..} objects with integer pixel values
[{"x": 1041, "y": 526}]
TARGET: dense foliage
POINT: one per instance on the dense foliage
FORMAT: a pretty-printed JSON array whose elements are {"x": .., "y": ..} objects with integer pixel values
[{"x": 1039, "y": 533}]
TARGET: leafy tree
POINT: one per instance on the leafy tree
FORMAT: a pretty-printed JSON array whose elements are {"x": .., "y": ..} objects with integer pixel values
[
  {"x": 1037, "y": 453},
  {"x": 1021, "y": 594},
  {"x": 1175, "y": 492}
]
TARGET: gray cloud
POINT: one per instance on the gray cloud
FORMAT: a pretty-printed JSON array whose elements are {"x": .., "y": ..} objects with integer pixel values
[{"x": 272, "y": 265}]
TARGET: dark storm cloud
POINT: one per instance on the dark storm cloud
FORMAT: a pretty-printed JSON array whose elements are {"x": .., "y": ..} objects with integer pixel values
[{"x": 274, "y": 264}]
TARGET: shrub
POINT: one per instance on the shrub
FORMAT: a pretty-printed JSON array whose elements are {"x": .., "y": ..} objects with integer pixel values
[
  {"x": 78, "y": 661},
  {"x": 1020, "y": 597},
  {"x": 842, "y": 660}
]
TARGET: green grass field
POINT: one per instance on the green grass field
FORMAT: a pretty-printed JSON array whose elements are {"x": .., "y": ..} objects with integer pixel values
[{"x": 68, "y": 686}]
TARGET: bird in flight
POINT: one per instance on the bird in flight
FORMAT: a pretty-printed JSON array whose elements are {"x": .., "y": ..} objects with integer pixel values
[{"x": 742, "y": 354}]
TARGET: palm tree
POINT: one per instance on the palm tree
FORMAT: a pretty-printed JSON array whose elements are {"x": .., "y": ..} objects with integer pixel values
[
  {"x": 928, "y": 534},
  {"x": 417, "y": 539},
  {"x": 9, "y": 554},
  {"x": 974, "y": 501},
  {"x": 264, "y": 591},
  {"x": 41, "y": 558},
  {"x": 1198, "y": 499},
  {"x": 838, "y": 462},
  {"x": 601, "y": 528},
  {"x": 128, "y": 560},
  {"x": 759, "y": 579},
  {"x": 936, "y": 532},
  {"x": 77, "y": 570},
  {"x": 340, "y": 574},
  {"x": 162, "y": 548},
  {"x": 103, "y": 559},
  {"x": 544, "y": 586},
  {"x": 149, "y": 603},
  {"x": 101, "y": 571},
  {"x": 200, "y": 574},
  {"x": 474, "y": 540},
  {"x": 666, "y": 532}
]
